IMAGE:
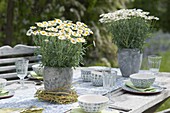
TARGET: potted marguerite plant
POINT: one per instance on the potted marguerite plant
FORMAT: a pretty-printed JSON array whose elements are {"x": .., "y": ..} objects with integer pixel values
[
  {"x": 129, "y": 28},
  {"x": 61, "y": 47}
]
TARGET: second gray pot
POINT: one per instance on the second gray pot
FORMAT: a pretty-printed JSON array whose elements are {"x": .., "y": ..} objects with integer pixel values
[{"x": 129, "y": 61}]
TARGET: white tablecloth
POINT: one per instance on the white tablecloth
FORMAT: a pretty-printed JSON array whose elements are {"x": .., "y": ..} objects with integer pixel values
[{"x": 25, "y": 98}]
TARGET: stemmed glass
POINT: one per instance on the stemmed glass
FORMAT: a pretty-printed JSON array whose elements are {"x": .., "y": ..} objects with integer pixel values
[
  {"x": 22, "y": 69},
  {"x": 154, "y": 63},
  {"x": 109, "y": 79}
]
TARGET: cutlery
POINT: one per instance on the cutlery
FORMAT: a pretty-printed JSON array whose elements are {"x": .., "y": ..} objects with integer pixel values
[
  {"x": 37, "y": 82},
  {"x": 115, "y": 92},
  {"x": 119, "y": 108},
  {"x": 68, "y": 111}
]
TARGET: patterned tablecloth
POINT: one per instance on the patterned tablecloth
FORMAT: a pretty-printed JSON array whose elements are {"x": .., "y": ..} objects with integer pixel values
[{"x": 25, "y": 98}]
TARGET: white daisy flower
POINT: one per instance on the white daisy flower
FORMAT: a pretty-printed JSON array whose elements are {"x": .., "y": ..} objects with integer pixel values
[
  {"x": 61, "y": 37},
  {"x": 74, "y": 41},
  {"x": 86, "y": 33},
  {"x": 58, "y": 21},
  {"x": 156, "y": 18},
  {"x": 48, "y": 29},
  {"x": 35, "y": 32},
  {"x": 45, "y": 23},
  {"x": 46, "y": 40},
  {"x": 68, "y": 36},
  {"x": 43, "y": 32},
  {"x": 79, "y": 23},
  {"x": 84, "y": 25},
  {"x": 80, "y": 31},
  {"x": 74, "y": 28},
  {"x": 75, "y": 34},
  {"x": 33, "y": 27},
  {"x": 62, "y": 32},
  {"x": 29, "y": 32},
  {"x": 52, "y": 23},
  {"x": 39, "y": 24},
  {"x": 80, "y": 40}
]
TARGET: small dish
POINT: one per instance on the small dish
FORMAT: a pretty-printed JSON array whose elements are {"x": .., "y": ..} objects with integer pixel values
[
  {"x": 34, "y": 76},
  {"x": 10, "y": 94},
  {"x": 99, "y": 68},
  {"x": 38, "y": 69},
  {"x": 158, "y": 89}
]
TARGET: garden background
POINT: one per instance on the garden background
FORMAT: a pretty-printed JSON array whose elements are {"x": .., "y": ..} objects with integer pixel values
[{"x": 17, "y": 15}]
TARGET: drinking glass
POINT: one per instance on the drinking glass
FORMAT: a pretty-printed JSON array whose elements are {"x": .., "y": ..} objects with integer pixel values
[
  {"x": 109, "y": 80},
  {"x": 154, "y": 62},
  {"x": 22, "y": 69}
]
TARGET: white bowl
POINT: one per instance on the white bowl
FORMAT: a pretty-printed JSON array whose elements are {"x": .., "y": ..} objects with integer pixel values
[
  {"x": 2, "y": 83},
  {"x": 92, "y": 103},
  {"x": 38, "y": 69},
  {"x": 142, "y": 80}
]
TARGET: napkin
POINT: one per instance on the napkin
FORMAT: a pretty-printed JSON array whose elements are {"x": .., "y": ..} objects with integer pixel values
[
  {"x": 3, "y": 92},
  {"x": 35, "y": 75},
  {"x": 130, "y": 84},
  {"x": 79, "y": 110}
]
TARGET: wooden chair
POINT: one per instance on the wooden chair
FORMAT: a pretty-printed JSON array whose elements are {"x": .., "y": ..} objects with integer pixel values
[{"x": 9, "y": 55}]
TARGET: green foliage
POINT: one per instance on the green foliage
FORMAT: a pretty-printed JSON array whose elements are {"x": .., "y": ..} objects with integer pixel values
[
  {"x": 164, "y": 106},
  {"x": 59, "y": 53},
  {"x": 159, "y": 8},
  {"x": 130, "y": 33},
  {"x": 60, "y": 42},
  {"x": 27, "y": 12},
  {"x": 165, "y": 62}
]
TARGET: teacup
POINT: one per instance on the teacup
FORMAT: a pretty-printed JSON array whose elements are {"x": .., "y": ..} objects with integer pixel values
[
  {"x": 140, "y": 80},
  {"x": 86, "y": 74},
  {"x": 97, "y": 78}
]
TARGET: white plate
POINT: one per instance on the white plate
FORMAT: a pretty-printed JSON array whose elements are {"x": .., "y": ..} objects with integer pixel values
[
  {"x": 158, "y": 90},
  {"x": 99, "y": 68},
  {"x": 10, "y": 94},
  {"x": 33, "y": 78}
]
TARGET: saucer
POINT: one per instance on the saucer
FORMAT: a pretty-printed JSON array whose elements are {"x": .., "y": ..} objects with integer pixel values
[
  {"x": 35, "y": 77},
  {"x": 158, "y": 89},
  {"x": 10, "y": 94}
]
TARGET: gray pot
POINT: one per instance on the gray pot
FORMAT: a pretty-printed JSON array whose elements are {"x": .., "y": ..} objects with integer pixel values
[
  {"x": 129, "y": 61},
  {"x": 57, "y": 79}
]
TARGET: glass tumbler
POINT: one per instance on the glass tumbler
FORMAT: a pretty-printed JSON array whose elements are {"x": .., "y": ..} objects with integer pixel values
[
  {"x": 154, "y": 63},
  {"x": 22, "y": 69},
  {"x": 109, "y": 80}
]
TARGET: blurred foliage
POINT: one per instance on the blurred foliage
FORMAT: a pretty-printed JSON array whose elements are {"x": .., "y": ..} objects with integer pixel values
[
  {"x": 159, "y": 8},
  {"x": 22, "y": 13},
  {"x": 27, "y": 12},
  {"x": 158, "y": 44}
]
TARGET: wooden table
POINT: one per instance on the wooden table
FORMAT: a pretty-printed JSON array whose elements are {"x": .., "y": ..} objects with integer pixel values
[{"x": 138, "y": 103}]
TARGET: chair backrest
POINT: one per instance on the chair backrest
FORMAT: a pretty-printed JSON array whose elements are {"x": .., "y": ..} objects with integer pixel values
[{"x": 9, "y": 55}]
